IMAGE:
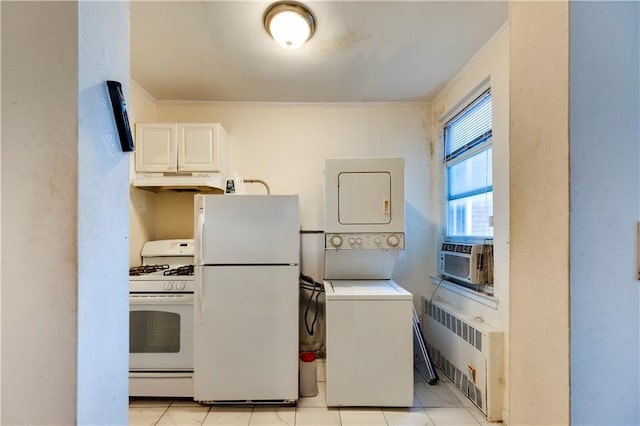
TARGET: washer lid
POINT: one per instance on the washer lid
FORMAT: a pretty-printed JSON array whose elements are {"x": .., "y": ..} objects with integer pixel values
[{"x": 365, "y": 290}]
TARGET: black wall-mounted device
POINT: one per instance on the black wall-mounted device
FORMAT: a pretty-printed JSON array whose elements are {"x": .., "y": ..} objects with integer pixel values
[{"x": 120, "y": 114}]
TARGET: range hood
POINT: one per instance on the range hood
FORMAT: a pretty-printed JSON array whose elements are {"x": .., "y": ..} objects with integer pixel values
[{"x": 214, "y": 183}]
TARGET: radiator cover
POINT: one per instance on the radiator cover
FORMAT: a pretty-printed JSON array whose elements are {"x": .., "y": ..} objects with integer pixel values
[{"x": 470, "y": 353}]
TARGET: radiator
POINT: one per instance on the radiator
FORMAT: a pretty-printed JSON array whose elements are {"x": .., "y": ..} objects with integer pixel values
[{"x": 469, "y": 352}]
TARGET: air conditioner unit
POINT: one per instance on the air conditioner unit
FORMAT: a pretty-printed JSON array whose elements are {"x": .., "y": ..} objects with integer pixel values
[
  {"x": 467, "y": 263},
  {"x": 469, "y": 353}
]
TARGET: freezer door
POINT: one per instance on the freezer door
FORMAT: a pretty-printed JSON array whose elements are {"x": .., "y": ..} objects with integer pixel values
[
  {"x": 247, "y": 229},
  {"x": 246, "y": 333}
]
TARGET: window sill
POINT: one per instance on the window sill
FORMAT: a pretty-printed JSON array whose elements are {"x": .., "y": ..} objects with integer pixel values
[{"x": 484, "y": 299}]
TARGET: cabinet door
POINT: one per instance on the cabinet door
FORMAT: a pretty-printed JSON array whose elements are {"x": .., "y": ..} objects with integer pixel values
[
  {"x": 156, "y": 148},
  {"x": 198, "y": 149}
]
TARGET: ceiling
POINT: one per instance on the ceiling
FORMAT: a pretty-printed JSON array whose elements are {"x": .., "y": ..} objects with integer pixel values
[{"x": 361, "y": 51}]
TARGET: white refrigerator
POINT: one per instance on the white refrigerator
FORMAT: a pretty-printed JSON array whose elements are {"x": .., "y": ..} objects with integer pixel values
[{"x": 247, "y": 251}]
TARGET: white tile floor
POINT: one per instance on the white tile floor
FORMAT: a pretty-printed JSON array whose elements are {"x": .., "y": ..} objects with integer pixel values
[{"x": 440, "y": 404}]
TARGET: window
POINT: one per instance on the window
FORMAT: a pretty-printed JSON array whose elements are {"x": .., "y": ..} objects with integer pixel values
[{"x": 468, "y": 164}]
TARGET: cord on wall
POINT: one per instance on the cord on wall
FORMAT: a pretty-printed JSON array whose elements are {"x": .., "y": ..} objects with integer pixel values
[
  {"x": 314, "y": 286},
  {"x": 434, "y": 291},
  {"x": 260, "y": 182}
]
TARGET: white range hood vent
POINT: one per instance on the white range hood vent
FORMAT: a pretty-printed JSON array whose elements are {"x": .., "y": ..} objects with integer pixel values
[{"x": 214, "y": 183}]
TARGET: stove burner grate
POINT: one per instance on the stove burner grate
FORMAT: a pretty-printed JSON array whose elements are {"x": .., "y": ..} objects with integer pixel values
[
  {"x": 182, "y": 270},
  {"x": 146, "y": 269}
]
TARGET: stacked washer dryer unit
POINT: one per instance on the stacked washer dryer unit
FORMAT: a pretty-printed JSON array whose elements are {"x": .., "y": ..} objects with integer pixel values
[{"x": 369, "y": 317}]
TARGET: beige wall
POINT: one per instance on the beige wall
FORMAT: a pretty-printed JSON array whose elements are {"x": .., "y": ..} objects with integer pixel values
[
  {"x": 490, "y": 67},
  {"x": 39, "y": 199},
  {"x": 142, "y": 204},
  {"x": 539, "y": 205},
  {"x": 174, "y": 215}
]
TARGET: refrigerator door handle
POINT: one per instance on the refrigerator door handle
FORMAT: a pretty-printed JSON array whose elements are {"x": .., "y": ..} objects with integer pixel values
[
  {"x": 199, "y": 232},
  {"x": 198, "y": 305}
]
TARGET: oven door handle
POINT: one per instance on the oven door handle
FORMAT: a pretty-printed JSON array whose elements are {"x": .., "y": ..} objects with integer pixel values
[{"x": 161, "y": 299}]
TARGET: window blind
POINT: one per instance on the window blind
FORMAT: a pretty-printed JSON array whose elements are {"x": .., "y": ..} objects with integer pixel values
[{"x": 472, "y": 126}]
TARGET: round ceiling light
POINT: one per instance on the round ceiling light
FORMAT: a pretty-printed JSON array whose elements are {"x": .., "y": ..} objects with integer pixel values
[{"x": 290, "y": 23}]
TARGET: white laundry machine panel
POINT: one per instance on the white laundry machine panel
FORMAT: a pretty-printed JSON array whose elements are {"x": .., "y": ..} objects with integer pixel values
[
  {"x": 361, "y": 256},
  {"x": 364, "y": 195},
  {"x": 369, "y": 328}
]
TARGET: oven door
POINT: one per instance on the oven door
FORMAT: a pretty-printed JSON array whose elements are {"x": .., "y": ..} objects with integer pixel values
[{"x": 161, "y": 332}]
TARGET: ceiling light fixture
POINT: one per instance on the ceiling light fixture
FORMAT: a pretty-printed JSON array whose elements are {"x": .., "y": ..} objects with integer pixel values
[{"x": 290, "y": 23}]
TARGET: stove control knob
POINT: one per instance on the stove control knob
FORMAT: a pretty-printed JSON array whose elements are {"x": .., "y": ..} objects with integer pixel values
[
  {"x": 180, "y": 285},
  {"x": 358, "y": 240},
  {"x": 168, "y": 285},
  {"x": 352, "y": 241},
  {"x": 393, "y": 240},
  {"x": 336, "y": 241}
]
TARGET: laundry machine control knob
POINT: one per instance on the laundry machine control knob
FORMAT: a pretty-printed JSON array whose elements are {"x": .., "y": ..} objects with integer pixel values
[
  {"x": 378, "y": 241},
  {"x": 168, "y": 285},
  {"x": 352, "y": 241},
  {"x": 358, "y": 240},
  {"x": 336, "y": 241},
  {"x": 393, "y": 240}
]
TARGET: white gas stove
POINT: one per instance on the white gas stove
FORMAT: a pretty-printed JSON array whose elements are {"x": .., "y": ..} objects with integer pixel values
[
  {"x": 161, "y": 320},
  {"x": 167, "y": 267}
]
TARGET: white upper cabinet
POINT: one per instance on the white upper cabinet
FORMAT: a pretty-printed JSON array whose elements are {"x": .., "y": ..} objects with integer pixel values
[
  {"x": 198, "y": 147},
  {"x": 156, "y": 147},
  {"x": 182, "y": 147}
]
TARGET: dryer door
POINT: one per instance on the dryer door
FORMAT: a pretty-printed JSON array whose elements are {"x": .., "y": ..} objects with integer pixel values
[{"x": 364, "y": 198}]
